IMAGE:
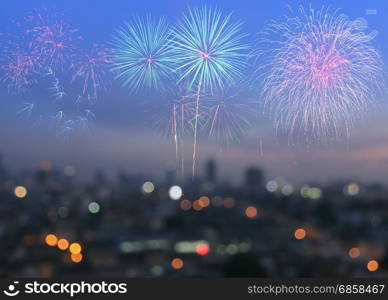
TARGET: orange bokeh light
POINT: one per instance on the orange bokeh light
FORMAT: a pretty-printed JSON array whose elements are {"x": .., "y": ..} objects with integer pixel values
[
  {"x": 251, "y": 212},
  {"x": 63, "y": 244},
  {"x": 185, "y": 204},
  {"x": 197, "y": 206},
  {"x": 76, "y": 257},
  {"x": 204, "y": 201},
  {"x": 354, "y": 252},
  {"x": 51, "y": 240},
  {"x": 300, "y": 234},
  {"x": 372, "y": 265},
  {"x": 177, "y": 263}
]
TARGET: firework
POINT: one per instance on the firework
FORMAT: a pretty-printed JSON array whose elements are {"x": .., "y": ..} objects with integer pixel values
[
  {"x": 141, "y": 53},
  {"x": 321, "y": 72},
  {"x": 19, "y": 69},
  {"x": 57, "y": 89},
  {"x": 209, "y": 53},
  {"x": 91, "y": 69},
  {"x": 53, "y": 41}
]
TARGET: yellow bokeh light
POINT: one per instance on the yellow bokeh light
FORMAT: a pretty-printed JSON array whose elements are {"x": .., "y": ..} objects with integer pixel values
[
  {"x": 20, "y": 191},
  {"x": 75, "y": 248}
]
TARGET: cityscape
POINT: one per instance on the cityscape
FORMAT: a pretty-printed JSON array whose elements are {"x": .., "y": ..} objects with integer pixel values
[{"x": 53, "y": 224}]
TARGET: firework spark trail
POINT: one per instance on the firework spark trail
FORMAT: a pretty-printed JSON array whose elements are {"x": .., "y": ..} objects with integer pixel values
[
  {"x": 182, "y": 142},
  {"x": 26, "y": 110},
  {"x": 196, "y": 129},
  {"x": 57, "y": 89},
  {"x": 142, "y": 54},
  {"x": 209, "y": 53},
  {"x": 175, "y": 136},
  {"x": 179, "y": 104},
  {"x": 261, "y": 153},
  {"x": 320, "y": 74}
]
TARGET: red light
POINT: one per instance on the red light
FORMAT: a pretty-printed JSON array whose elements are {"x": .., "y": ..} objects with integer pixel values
[{"x": 202, "y": 249}]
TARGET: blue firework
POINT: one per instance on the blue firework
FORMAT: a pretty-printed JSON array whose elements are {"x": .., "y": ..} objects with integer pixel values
[
  {"x": 209, "y": 48},
  {"x": 142, "y": 54}
]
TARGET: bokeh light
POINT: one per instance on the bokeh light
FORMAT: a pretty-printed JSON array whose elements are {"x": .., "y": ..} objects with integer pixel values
[
  {"x": 197, "y": 205},
  {"x": 271, "y": 186},
  {"x": 204, "y": 201},
  {"x": 251, "y": 212},
  {"x": 63, "y": 244},
  {"x": 185, "y": 204},
  {"x": 202, "y": 249},
  {"x": 75, "y": 248},
  {"x": 352, "y": 189},
  {"x": 177, "y": 263},
  {"x": 51, "y": 240},
  {"x": 300, "y": 234},
  {"x": 287, "y": 189},
  {"x": 148, "y": 187},
  {"x": 175, "y": 192},
  {"x": 354, "y": 252},
  {"x": 372, "y": 265},
  {"x": 76, "y": 257},
  {"x": 94, "y": 207},
  {"x": 20, "y": 191}
]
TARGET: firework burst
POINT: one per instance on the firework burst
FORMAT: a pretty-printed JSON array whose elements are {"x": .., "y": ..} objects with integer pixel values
[
  {"x": 209, "y": 53},
  {"x": 91, "y": 69},
  {"x": 19, "y": 64},
  {"x": 320, "y": 74},
  {"x": 19, "y": 69},
  {"x": 53, "y": 41},
  {"x": 141, "y": 53}
]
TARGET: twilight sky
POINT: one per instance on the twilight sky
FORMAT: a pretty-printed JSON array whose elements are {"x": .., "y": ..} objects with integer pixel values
[{"x": 124, "y": 134}]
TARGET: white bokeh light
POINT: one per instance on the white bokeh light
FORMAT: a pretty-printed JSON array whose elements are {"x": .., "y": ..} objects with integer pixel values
[
  {"x": 175, "y": 192},
  {"x": 148, "y": 187}
]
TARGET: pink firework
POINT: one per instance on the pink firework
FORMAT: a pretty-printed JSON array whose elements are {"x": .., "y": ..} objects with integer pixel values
[
  {"x": 320, "y": 72},
  {"x": 52, "y": 39},
  {"x": 19, "y": 69},
  {"x": 91, "y": 69}
]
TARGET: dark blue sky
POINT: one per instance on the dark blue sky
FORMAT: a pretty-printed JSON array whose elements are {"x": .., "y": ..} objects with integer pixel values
[{"x": 122, "y": 120}]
